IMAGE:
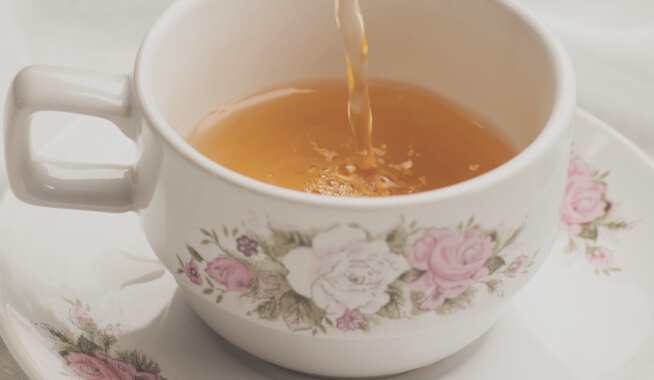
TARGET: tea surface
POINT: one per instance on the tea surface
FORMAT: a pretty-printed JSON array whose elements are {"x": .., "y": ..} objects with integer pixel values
[{"x": 298, "y": 136}]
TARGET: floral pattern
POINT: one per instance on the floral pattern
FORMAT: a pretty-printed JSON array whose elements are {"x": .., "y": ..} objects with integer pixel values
[
  {"x": 90, "y": 354},
  {"x": 346, "y": 278},
  {"x": 451, "y": 262},
  {"x": 588, "y": 213}
]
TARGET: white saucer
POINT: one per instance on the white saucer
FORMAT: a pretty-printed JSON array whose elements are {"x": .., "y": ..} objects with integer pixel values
[{"x": 587, "y": 315}]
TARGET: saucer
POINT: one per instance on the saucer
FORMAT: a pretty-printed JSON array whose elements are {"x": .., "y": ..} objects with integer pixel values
[{"x": 82, "y": 291}]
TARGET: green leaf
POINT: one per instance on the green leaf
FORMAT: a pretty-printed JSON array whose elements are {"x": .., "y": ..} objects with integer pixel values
[
  {"x": 393, "y": 309},
  {"x": 617, "y": 225},
  {"x": 57, "y": 335},
  {"x": 107, "y": 340},
  {"x": 225, "y": 231},
  {"x": 272, "y": 281},
  {"x": 572, "y": 246},
  {"x": 495, "y": 286},
  {"x": 411, "y": 275},
  {"x": 329, "y": 322},
  {"x": 283, "y": 241},
  {"x": 207, "y": 291},
  {"x": 180, "y": 271},
  {"x": 397, "y": 240},
  {"x": 209, "y": 281},
  {"x": 609, "y": 206},
  {"x": 71, "y": 302},
  {"x": 413, "y": 224},
  {"x": 268, "y": 309},
  {"x": 300, "y": 313},
  {"x": 234, "y": 231},
  {"x": 456, "y": 304},
  {"x": 219, "y": 299},
  {"x": 589, "y": 233},
  {"x": 85, "y": 345},
  {"x": 206, "y": 232},
  {"x": 494, "y": 264},
  {"x": 194, "y": 254},
  {"x": 417, "y": 299},
  {"x": 141, "y": 363},
  {"x": 512, "y": 238},
  {"x": 181, "y": 263}
]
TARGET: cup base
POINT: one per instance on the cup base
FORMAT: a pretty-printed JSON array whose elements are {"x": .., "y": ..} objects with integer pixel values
[{"x": 361, "y": 358}]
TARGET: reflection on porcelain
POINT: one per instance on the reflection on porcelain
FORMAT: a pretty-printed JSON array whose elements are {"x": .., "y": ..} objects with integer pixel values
[
  {"x": 547, "y": 333},
  {"x": 332, "y": 278}
]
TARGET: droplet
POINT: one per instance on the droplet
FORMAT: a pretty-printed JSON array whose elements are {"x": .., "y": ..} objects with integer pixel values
[{"x": 385, "y": 182}]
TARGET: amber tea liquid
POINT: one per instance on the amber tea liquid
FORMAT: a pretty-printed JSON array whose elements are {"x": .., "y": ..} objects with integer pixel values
[{"x": 298, "y": 136}]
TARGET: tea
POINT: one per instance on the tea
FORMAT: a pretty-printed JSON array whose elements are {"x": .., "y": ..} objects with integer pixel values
[
  {"x": 297, "y": 136},
  {"x": 350, "y": 23}
]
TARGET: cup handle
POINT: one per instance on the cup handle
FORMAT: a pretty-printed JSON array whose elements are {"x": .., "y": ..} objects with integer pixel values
[{"x": 98, "y": 187}]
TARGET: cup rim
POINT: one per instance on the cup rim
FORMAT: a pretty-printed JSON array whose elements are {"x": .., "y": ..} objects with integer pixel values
[{"x": 555, "y": 127}]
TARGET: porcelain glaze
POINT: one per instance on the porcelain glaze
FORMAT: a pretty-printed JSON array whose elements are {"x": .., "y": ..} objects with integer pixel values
[
  {"x": 419, "y": 311},
  {"x": 546, "y": 332}
]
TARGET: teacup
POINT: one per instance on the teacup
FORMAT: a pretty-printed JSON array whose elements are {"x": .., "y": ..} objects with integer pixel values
[{"x": 323, "y": 285}]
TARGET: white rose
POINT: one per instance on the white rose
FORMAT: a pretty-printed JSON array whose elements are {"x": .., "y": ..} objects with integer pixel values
[{"x": 343, "y": 270}]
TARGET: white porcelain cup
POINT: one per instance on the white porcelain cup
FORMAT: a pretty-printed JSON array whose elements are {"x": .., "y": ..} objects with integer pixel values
[{"x": 330, "y": 286}]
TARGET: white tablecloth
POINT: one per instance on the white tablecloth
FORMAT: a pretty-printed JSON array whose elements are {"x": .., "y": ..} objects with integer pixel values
[{"x": 611, "y": 43}]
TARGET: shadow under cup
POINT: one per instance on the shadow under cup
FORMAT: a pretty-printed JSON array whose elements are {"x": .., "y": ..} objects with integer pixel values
[{"x": 486, "y": 55}]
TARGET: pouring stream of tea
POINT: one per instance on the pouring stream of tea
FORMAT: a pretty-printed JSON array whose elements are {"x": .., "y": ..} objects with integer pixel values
[
  {"x": 421, "y": 141},
  {"x": 350, "y": 22}
]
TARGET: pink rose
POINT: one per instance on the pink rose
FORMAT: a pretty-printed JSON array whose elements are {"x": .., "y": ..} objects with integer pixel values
[
  {"x": 351, "y": 320},
  {"x": 600, "y": 258},
  {"x": 231, "y": 273},
  {"x": 577, "y": 167},
  {"x": 193, "y": 272},
  {"x": 516, "y": 265},
  {"x": 583, "y": 201},
  {"x": 88, "y": 367},
  {"x": 124, "y": 371},
  {"x": 451, "y": 262}
]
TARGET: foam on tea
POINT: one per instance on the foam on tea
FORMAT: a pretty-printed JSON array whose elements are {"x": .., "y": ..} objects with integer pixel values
[{"x": 298, "y": 136}]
